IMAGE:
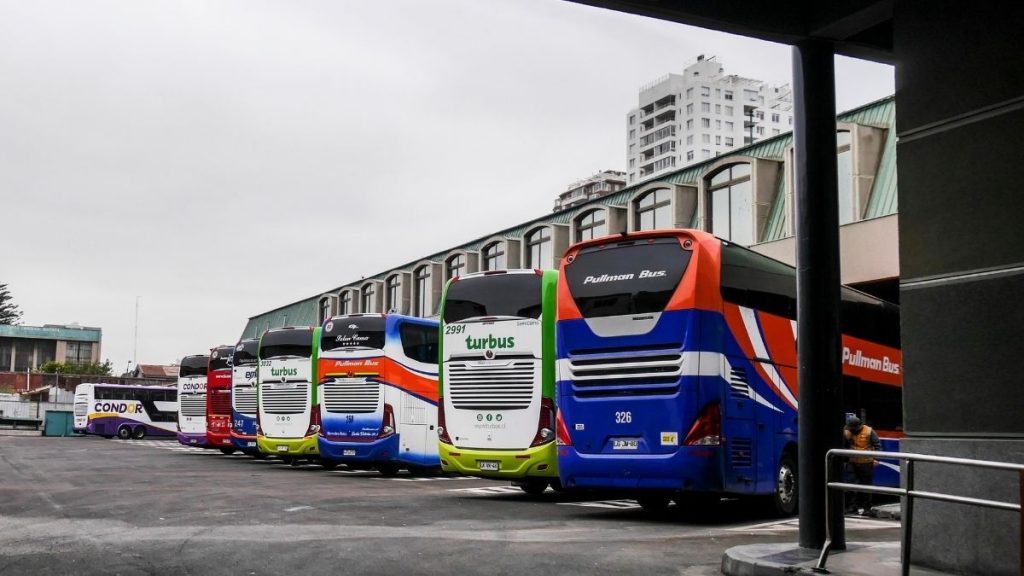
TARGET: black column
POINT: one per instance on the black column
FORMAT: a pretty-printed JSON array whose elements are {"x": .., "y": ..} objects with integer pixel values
[{"x": 817, "y": 261}]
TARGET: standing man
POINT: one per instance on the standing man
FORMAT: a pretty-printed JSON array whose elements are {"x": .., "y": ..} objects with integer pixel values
[{"x": 861, "y": 437}]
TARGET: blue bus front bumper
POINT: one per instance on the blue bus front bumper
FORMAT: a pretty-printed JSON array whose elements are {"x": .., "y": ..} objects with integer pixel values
[
  {"x": 383, "y": 450},
  {"x": 695, "y": 468}
]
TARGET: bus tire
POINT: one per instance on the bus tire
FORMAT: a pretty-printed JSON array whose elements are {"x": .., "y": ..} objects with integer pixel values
[
  {"x": 655, "y": 503},
  {"x": 227, "y": 451},
  {"x": 534, "y": 487},
  {"x": 258, "y": 455},
  {"x": 556, "y": 485},
  {"x": 785, "y": 499},
  {"x": 329, "y": 464},
  {"x": 139, "y": 433},
  {"x": 388, "y": 469},
  {"x": 124, "y": 432}
]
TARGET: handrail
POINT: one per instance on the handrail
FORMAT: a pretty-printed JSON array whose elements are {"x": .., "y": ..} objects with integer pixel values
[{"x": 910, "y": 494}]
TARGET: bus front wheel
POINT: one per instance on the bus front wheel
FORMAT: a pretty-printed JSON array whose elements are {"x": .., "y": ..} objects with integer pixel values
[
  {"x": 388, "y": 469},
  {"x": 139, "y": 433},
  {"x": 654, "y": 503},
  {"x": 124, "y": 432},
  {"x": 534, "y": 487},
  {"x": 786, "y": 486}
]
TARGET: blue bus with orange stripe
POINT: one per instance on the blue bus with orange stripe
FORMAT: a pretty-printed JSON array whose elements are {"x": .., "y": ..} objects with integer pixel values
[
  {"x": 677, "y": 369},
  {"x": 378, "y": 382}
]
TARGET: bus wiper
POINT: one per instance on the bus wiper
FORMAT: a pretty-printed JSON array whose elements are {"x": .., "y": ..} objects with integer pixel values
[{"x": 492, "y": 318}]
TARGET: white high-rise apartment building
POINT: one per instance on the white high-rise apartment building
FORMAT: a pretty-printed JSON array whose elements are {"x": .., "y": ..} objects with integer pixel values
[{"x": 686, "y": 118}]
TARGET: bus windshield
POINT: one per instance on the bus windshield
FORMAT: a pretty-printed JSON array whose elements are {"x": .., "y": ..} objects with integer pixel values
[
  {"x": 510, "y": 295},
  {"x": 293, "y": 342},
  {"x": 630, "y": 277},
  {"x": 220, "y": 358},
  {"x": 366, "y": 332},
  {"x": 245, "y": 353},
  {"x": 193, "y": 366}
]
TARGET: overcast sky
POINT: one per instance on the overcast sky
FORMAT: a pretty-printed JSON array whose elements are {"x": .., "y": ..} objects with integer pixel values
[{"x": 220, "y": 159}]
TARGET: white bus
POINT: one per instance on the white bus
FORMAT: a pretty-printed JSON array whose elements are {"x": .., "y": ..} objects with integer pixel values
[
  {"x": 125, "y": 411},
  {"x": 192, "y": 400}
]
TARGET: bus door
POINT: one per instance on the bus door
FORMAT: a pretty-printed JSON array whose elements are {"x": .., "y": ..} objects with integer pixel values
[
  {"x": 413, "y": 421},
  {"x": 738, "y": 427}
]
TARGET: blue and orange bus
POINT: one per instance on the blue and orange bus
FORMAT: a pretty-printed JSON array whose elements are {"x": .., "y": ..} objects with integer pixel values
[
  {"x": 243, "y": 396},
  {"x": 677, "y": 369},
  {"x": 378, "y": 390}
]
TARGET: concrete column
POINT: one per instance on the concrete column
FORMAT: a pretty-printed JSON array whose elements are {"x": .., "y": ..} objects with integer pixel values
[{"x": 817, "y": 256}]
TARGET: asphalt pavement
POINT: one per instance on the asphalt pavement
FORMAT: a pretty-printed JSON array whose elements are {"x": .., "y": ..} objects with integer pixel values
[{"x": 88, "y": 505}]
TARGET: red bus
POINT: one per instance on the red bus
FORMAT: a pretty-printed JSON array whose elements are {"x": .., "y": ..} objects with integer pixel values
[{"x": 218, "y": 400}]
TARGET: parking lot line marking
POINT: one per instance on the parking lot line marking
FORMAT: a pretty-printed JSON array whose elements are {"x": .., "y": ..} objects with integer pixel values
[
  {"x": 613, "y": 504},
  {"x": 488, "y": 490},
  {"x": 791, "y": 524},
  {"x": 297, "y": 508}
]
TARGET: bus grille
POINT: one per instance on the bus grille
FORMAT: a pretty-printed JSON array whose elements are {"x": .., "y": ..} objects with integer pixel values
[
  {"x": 285, "y": 400},
  {"x": 627, "y": 375},
  {"x": 492, "y": 384},
  {"x": 193, "y": 404},
  {"x": 740, "y": 452},
  {"x": 245, "y": 399},
  {"x": 220, "y": 402},
  {"x": 351, "y": 395}
]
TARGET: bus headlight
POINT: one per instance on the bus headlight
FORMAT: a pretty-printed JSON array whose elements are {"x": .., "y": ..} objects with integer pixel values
[
  {"x": 387, "y": 430},
  {"x": 546, "y": 433},
  {"x": 440, "y": 431}
]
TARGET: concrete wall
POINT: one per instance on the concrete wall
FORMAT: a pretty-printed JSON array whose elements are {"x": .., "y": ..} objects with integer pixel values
[
  {"x": 960, "y": 97},
  {"x": 867, "y": 250}
]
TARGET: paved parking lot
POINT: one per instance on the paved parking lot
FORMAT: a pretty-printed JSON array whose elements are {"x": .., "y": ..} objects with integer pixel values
[{"x": 95, "y": 506}]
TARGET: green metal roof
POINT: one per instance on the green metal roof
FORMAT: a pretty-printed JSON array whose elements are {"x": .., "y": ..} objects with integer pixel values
[{"x": 880, "y": 114}]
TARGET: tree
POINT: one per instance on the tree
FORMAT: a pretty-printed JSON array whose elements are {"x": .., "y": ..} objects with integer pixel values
[
  {"x": 84, "y": 369},
  {"x": 9, "y": 313}
]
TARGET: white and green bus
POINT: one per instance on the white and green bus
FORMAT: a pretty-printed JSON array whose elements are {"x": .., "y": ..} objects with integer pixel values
[
  {"x": 287, "y": 412},
  {"x": 497, "y": 379}
]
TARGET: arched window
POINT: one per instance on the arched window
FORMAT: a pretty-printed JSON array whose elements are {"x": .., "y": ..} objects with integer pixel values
[
  {"x": 654, "y": 210},
  {"x": 421, "y": 295},
  {"x": 455, "y": 266},
  {"x": 732, "y": 204},
  {"x": 391, "y": 297},
  {"x": 844, "y": 151},
  {"x": 325, "y": 309},
  {"x": 345, "y": 302},
  {"x": 494, "y": 256},
  {"x": 538, "y": 248},
  {"x": 366, "y": 299},
  {"x": 591, "y": 225}
]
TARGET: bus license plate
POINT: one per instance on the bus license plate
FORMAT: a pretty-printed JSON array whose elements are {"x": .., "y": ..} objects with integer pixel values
[
  {"x": 348, "y": 452},
  {"x": 250, "y": 444},
  {"x": 488, "y": 465},
  {"x": 625, "y": 444},
  {"x": 282, "y": 448}
]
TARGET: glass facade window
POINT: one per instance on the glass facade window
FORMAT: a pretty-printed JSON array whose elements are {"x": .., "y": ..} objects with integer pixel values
[
  {"x": 494, "y": 256},
  {"x": 456, "y": 265},
  {"x": 591, "y": 225},
  {"x": 6, "y": 346},
  {"x": 844, "y": 151},
  {"x": 75, "y": 352},
  {"x": 421, "y": 282},
  {"x": 654, "y": 210},
  {"x": 391, "y": 294},
  {"x": 538, "y": 248},
  {"x": 46, "y": 351},
  {"x": 732, "y": 204},
  {"x": 366, "y": 299},
  {"x": 345, "y": 302}
]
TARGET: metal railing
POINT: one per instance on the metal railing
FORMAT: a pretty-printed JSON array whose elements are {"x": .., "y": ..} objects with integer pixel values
[{"x": 910, "y": 493}]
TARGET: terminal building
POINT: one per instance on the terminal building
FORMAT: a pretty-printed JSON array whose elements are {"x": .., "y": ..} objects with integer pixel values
[
  {"x": 745, "y": 196},
  {"x": 29, "y": 347}
]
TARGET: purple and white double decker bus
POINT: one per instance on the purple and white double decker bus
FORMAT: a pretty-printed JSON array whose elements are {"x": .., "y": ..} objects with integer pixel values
[{"x": 126, "y": 411}]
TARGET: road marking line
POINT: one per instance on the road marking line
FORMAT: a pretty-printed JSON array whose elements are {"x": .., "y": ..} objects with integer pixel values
[
  {"x": 488, "y": 490},
  {"x": 297, "y": 508},
  {"x": 615, "y": 504}
]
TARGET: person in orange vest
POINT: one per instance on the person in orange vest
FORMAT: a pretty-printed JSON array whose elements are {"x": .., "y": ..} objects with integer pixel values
[{"x": 862, "y": 468}]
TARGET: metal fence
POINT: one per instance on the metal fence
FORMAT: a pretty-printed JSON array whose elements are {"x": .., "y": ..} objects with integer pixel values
[
  {"x": 28, "y": 410},
  {"x": 838, "y": 541}
]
